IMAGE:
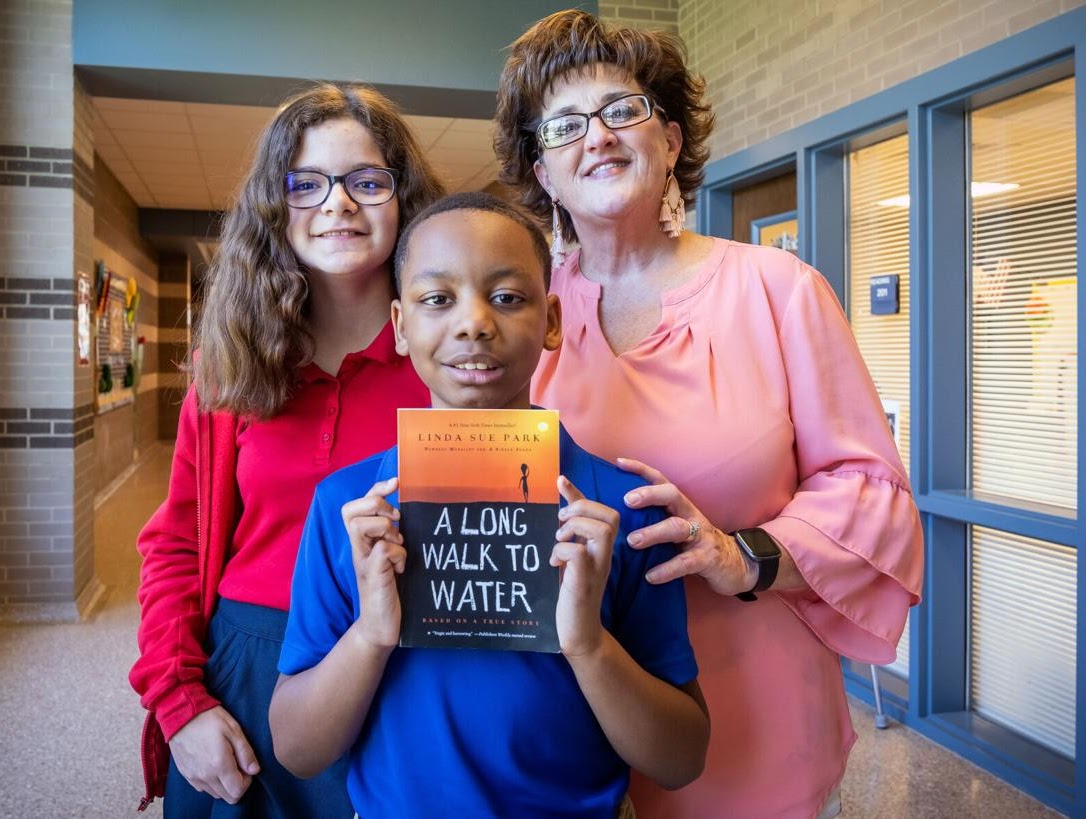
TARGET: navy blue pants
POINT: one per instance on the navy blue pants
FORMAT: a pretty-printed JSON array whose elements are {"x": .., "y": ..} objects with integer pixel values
[{"x": 243, "y": 645}]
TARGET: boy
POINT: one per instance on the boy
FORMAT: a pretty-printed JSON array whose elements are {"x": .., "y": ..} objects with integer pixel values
[{"x": 447, "y": 732}]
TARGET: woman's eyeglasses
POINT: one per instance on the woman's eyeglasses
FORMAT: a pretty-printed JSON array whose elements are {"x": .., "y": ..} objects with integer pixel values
[
  {"x": 633, "y": 109},
  {"x": 365, "y": 186}
]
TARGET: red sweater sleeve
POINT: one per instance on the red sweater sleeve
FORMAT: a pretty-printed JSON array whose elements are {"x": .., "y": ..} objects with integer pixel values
[{"x": 169, "y": 674}]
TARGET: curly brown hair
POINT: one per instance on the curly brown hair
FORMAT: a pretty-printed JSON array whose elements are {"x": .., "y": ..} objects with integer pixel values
[
  {"x": 573, "y": 40},
  {"x": 253, "y": 334}
]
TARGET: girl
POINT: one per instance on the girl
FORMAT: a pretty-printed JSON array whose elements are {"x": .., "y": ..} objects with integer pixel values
[{"x": 296, "y": 376}]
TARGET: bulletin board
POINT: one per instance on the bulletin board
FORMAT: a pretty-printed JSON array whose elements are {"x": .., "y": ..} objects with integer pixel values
[{"x": 115, "y": 349}]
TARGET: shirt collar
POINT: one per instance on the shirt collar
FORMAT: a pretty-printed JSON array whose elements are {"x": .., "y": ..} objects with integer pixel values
[{"x": 382, "y": 350}]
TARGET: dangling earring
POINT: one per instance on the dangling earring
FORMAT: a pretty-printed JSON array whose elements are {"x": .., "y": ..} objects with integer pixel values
[
  {"x": 672, "y": 216},
  {"x": 558, "y": 241}
]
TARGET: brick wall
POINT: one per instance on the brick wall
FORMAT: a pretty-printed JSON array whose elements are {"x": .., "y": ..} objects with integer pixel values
[
  {"x": 772, "y": 66},
  {"x": 171, "y": 341},
  {"x": 663, "y": 14},
  {"x": 121, "y": 433},
  {"x": 46, "y": 216}
]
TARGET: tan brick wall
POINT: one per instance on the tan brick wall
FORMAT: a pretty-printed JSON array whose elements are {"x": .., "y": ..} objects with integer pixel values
[
  {"x": 663, "y": 14},
  {"x": 46, "y": 227},
  {"x": 772, "y": 65}
]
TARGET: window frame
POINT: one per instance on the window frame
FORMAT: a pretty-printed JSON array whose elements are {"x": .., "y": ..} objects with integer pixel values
[{"x": 932, "y": 109}]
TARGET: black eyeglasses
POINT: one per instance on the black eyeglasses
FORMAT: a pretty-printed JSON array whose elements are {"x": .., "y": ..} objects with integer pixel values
[
  {"x": 365, "y": 186},
  {"x": 633, "y": 109}
]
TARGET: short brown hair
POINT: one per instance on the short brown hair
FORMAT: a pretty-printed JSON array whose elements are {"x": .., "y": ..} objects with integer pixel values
[
  {"x": 254, "y": 332},
  {"x": 572, "y": 40}
]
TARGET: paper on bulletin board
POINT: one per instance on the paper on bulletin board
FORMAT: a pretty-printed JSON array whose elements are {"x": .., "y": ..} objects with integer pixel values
[
  {"x": 83, "y": 317},
  {"x": 1051, "y": 314}
]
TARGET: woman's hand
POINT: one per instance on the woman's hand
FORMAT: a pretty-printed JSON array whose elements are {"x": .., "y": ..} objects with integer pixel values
[
  {"x": 704, "y": 549},
  {"x": 213, "y": 754},
  {"x": 585, "y": 540},
  {"x": 378, "y": 555}
]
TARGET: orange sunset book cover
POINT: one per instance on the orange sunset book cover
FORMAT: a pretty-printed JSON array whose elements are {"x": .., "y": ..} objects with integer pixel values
[{"x": 478, "y": 511}]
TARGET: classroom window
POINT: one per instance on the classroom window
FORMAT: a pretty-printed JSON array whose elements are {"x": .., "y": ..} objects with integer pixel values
[
  {"x": 1023, "y": 636},
  {"x": 1023, "y": 281},
  {"x": 1024, "y": 409},
  {"x": 878, "y": 274}
]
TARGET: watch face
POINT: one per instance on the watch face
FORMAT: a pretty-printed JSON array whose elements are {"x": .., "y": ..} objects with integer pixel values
[{"x": 758, "y": 543}]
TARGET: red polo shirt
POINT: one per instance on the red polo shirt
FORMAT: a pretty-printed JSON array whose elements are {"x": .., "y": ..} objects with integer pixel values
[{"x": 331, "y": 422}]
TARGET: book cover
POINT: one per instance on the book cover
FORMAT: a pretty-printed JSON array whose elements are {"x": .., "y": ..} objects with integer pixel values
[{"x": 478, "y": 512}]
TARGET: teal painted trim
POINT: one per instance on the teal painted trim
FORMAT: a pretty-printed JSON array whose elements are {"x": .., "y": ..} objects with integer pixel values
[
  {"x": 1025, "y": 522},
  {"x": 234, "y": 89},
  {"x": 457, "y": 44},
  {"x": 1080, "y": 542}
]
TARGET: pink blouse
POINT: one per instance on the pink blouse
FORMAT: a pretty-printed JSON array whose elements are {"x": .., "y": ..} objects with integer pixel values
[{"x": 752, "y": 397}]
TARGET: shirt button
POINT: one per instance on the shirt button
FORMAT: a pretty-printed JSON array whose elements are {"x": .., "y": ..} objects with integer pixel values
[
  {"x": 326, "y": 437},
  {"x": 331, "y": 410}
]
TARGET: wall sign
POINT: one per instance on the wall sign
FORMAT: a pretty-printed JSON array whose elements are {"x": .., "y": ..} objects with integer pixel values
[{"x": 884, "y": 295}]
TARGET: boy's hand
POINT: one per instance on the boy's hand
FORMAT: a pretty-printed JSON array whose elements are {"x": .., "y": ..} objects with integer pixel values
[
  {"x": 585, "y": 540},
  {"x": 378, "y": 555}
]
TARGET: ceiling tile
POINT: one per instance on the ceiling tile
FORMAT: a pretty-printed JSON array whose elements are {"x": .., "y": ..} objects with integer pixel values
[
  {"x": 466, "y": 139},
  {"x": 197, "y": 155},
  {"x": 154, "y": 139},
  {"x": 145, "y": 121},
  {"x": 201, "y": 123},
  {"x": 428, "y": 125},
  {"x": 482, "y": 127},
  {"x": 251, "y": 113},
  {"x": 460, "y": 156},
  {"x": 109, "y": 151},
  {"x": 167, "y": 156},
  {"x": 140, "y": 106}
]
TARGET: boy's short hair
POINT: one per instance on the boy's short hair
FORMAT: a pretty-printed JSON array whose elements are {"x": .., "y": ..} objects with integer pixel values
[{"x": 488, "y": 203}]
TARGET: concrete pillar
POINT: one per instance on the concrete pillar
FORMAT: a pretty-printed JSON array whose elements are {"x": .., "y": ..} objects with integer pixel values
[{"x": 46, "y": 397}]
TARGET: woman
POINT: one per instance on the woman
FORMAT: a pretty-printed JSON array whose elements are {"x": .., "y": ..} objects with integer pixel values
[
  {"x": 731, "y": 370},
  {"x": 296, "y": 377}
]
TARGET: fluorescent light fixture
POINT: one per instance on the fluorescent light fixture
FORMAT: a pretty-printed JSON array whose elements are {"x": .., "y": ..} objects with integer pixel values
[
  {"x": 992, "y": 188},
  {"x": 979, "y": 189},
  {"x": 895, "y": 202}
]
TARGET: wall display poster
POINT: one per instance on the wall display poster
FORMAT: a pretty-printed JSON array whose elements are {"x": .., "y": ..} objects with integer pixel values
[
  {"x": 115, "y": 346},
  {"x": 83, "y": 317},
  {"x": 781, "y": 230}
]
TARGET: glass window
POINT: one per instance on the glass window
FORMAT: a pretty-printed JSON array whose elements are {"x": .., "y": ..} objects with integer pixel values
[
  {"x": 1024, "y": 409},
  {"x": 878, "y": 267},
  {"x": 1023, "y": 636},
  {"x": 1024, "y": 397}
]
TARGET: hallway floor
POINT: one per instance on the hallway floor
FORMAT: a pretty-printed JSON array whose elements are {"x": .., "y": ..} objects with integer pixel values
[{"x": 70, "y": 724}]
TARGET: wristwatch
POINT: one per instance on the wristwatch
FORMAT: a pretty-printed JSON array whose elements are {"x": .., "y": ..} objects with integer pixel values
[{"x": 758, "y": 545}]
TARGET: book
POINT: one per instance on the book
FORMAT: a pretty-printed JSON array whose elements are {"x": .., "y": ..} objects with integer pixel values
[{"x": 478, "y": 512}]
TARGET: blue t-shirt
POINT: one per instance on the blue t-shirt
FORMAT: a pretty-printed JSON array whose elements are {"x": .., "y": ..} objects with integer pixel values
[{"x": 470, "y": 733}]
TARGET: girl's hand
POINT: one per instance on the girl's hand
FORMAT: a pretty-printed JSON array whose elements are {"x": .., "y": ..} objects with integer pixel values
[
  {"x": 585, "y": 539},
  {"x": 213, "y": 754},
  {"x": 704, "y": 549},
  {"x": 378, "y": 555}
]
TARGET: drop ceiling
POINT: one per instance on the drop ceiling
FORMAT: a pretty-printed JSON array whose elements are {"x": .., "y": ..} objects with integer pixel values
[{"x": 192, "y": 156}]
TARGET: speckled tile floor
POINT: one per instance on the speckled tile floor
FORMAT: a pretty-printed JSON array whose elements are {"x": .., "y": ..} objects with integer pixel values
[{"x": 70, "y": 724}]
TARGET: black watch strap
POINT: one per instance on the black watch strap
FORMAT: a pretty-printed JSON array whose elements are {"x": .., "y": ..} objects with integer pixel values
[
  {"x": 761, "y": 548},
  {"x": 767, "y": 573}
]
